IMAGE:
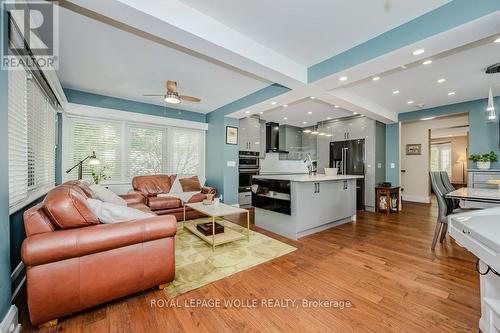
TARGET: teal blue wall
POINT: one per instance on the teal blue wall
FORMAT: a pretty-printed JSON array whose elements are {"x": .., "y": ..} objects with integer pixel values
[
  {"x": 483, "y": 135},
  {"x": 81, "y": 97},
  {"x": 5, "y": 291},
  {"x": 444, "y": 18},
  {"x": 380, "y": 152},
  {"x": 218, "y": 152},
  {"x": 392, "y": 153}
]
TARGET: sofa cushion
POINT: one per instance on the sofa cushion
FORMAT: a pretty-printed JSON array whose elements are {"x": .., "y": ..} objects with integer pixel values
[
  {"x": 139, "y": 206},
  {"x": 190, "y": 184},
  {"x": 199, "y": 197},
  {"x": 153, "y": 185},
  {"x": 156, "y": 203},
  {"x": 67, "y": 207},
  {"x": 83, "y": 186}
]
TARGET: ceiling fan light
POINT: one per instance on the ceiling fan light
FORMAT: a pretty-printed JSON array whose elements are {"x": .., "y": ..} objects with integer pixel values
[{"x": 172, "y": 98}]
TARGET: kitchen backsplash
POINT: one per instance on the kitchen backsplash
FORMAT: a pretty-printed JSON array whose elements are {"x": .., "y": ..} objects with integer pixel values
[{"x": 273, "y": 164}]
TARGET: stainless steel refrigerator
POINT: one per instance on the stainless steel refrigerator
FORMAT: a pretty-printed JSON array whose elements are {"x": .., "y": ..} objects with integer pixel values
[{"x": 349, "y": 157}]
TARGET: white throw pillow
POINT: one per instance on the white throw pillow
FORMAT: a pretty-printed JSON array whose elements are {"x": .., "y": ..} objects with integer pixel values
[
  {"x": 106, "y": 195},
  {"x": 110, "y": 213},
  {"x": 176, "y": 186}
]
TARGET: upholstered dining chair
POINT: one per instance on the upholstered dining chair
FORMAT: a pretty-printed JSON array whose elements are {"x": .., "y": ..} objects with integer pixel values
[
  {"x": 449, "y": 188},
  {"x": 445, "y": 207}
]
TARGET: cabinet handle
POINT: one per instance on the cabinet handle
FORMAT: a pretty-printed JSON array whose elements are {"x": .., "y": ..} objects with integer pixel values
[
  {"x": 345, "y": 184},
  {"x": 318, "y": 188}
]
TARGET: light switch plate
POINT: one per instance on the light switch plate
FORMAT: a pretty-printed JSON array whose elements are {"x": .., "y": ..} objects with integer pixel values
[
  {"x": 393, "y": 165},
  {"x": 379, "y": 165},
  {"x": 231, "y": 164}
]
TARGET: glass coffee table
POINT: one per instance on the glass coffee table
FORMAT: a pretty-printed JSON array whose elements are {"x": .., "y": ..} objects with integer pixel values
[{"x": 217, "y": 212}]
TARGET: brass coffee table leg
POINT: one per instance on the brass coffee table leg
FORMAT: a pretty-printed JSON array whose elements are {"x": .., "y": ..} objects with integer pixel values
[
  {"x": 213, "y": 233},
  {"x": 184, "y": 221},
  {"x": 248, "y": 224}
]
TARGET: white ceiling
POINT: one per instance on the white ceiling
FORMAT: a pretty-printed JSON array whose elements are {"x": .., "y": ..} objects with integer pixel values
[
  {"x": 463, "y": 71},
  {"x": 311, "y": 31},
  {"x": 99, "y": 58},
  {"x": 297, "y": 113}
]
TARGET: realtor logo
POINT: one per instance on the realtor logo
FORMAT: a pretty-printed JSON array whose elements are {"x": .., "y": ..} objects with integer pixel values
[{"x": 33, "y": 35}]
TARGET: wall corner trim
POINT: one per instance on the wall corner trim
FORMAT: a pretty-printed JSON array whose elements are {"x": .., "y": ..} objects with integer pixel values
[{"x": 10, "y": 323}]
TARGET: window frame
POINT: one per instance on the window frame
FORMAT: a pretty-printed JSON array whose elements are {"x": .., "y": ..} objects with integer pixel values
[{"x": 127, "y": 120}]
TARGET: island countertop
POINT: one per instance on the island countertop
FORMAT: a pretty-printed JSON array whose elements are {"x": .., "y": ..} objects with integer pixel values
[{"x": 307, "y": 178}]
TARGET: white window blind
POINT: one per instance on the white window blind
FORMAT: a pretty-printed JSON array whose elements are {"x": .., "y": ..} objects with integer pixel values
[
  {"x": 441, "y": 157},
  {"x": 146, "y": 150},
  {"x": 32, "y": 139},
  {"x": 127, "y": 149},
  {"x": 18, "y": 137},
  {"x": 187, "y": 148},
  {"x": 103, "y": 137}
]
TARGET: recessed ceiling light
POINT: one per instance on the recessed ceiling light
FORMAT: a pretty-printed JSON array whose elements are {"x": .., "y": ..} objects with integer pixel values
[
  {"x": 354, "y": 112},
  {"x": 328, "y": 135},
  {"x": 328, "y": 118},
  {"x": 427, "y": 62},
  {"x": 273, "y": 103},
  {"x": 496, "y": 40},
  {"x": 410, "y": 102},
  {"x": 261, "y": 112},
  {"x": 285, "y": 105},
  {"x": 343, "y": 78},
  {"x": 304, "y": 122},
  {"x": 314, "y": 132},
  {"x": 395, "y": 92},
  {"x": 307, "y": 131},
  {"x": 247, "y": 112},
  {"x": 451, "y": 93},
  {"x": 309, "y": 112},
  {"x": 322, "y": 133},
  {"x": 312, "y": 97},
  {"x": 336, "y": 106},
  {"x": 441, "y": 80},
  {"x": 285, "y": 118},
  {"x": 418, "y": 52},
  {"x": 428, "y": 118},
  {"x": 376, "y": 78}
]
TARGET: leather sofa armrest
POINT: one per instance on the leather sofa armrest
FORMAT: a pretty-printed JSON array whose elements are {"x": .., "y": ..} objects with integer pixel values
[
  {"x": 71, "y": 243},
  {"x": 132, "y": 198},
  {"x": 208, "y": 190}
]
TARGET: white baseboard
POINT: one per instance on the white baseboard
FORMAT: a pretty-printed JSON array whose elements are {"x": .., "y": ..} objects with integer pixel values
[
  {"x": 416, "y": 198},
  {"x": 10, "y": 323}
]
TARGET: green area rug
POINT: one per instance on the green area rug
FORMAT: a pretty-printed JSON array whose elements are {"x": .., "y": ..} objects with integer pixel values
[{"x": 197, "y": 265}]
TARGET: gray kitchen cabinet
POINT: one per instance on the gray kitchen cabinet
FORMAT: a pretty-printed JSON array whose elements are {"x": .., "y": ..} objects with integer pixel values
[
  {"x": 262, "y": 138},
  {"x": 249, "y": 134},
  {"x": 290, "y": 141}
]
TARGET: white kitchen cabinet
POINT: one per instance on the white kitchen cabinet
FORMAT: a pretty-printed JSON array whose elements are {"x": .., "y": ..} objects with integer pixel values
[
  {"x": 249, "y": 134},
  {"x": 262, "y": 138}
]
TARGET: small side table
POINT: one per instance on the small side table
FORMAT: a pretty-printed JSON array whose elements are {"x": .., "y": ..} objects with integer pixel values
[{"x": 386, "y": 199}]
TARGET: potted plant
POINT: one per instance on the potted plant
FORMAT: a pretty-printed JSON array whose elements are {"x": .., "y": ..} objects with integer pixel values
[
  {"x": 483, "y": 161},
  {"x": 99, "y": 175}
]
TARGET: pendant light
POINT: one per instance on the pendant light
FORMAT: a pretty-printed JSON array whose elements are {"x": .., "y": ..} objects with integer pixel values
[{"x": 491, "y": 108}]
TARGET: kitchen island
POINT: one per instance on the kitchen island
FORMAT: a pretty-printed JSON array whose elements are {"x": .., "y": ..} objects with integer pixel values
[{"x": 298, "y": 205}]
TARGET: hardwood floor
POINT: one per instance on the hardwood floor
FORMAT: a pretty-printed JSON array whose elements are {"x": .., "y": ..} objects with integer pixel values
[{"x": 382, "y": 264}]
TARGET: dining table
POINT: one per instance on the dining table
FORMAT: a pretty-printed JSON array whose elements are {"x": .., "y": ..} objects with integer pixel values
[{"x": 485, "y": 195}]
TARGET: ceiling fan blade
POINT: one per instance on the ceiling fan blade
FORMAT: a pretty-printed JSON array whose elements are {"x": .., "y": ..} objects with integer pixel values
[
  {"x": 190, "y": 98},
  {"x": 171, "y": 86}
]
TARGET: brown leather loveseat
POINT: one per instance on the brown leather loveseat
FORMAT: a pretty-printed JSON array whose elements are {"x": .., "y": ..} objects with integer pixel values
[
  {"x": 152, "y": 185},
  {"x": 74, "y": 262}
]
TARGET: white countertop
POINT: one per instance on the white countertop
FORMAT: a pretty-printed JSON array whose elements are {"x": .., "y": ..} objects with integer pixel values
[{"x": 307, "y": 178}]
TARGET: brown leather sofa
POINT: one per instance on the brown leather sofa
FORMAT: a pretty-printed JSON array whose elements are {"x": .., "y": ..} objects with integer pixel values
[
  {"x": 152, "y": 185},
  {"x": 73, "y": 262}
]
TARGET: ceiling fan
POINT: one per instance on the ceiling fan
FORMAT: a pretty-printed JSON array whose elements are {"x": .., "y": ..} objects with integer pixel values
[{"x": 172, "y": 96}]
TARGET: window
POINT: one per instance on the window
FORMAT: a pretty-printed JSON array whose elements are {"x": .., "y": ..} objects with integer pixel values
[
  {"x": 441, "y": 157},
  {"x": 32, "y": 140},
  {"x": 146, "y": 151},
  {"x": 127, "y": 149},
  {"x": 103, "y": 137}
]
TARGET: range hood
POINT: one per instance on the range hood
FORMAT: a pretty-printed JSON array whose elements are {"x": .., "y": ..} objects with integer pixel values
[{"x": 273, "y": 138}]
